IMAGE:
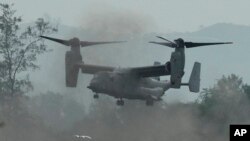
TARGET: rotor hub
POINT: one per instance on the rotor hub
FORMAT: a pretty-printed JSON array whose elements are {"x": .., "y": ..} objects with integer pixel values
[
  {"x": 180, "y": 42},
  {"x": 74, "y": 42}
]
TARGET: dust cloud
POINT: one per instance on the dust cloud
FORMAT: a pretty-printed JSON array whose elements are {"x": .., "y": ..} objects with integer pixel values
[
  {"x": 107, "y": 23},
  {"x": 58, "y": 117}
]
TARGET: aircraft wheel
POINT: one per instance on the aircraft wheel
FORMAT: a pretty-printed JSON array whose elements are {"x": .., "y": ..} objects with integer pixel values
[
  {"x": 96, "y": 96},
  {"x": 120, "y": 102},
  {"x": 150, "y": 102}
]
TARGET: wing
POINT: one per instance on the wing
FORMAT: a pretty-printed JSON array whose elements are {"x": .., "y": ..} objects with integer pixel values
[
  {"x": 147, "y": 71},
  {"x": 92, "y": 69},
  {"x": 86, "y": 43},
  {"x": 150, "y": 71}
]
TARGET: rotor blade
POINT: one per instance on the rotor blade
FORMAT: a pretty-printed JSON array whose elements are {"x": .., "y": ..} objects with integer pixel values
[
  {"x": 165, "y": 39},
  {"x": 86, "y": 43},
  {"x": 64, "y": 42},
  {"x": 164, "y": 44},
  {"x": 191, "y": 44}
]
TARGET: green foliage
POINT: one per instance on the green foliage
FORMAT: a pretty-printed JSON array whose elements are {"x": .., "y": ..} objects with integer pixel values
[
  {"x": 227, "y": 89},
  {"x": 19, "y": 50},
  {"x": 246, "y": 89},
  {"x": 226, "y": 102}
]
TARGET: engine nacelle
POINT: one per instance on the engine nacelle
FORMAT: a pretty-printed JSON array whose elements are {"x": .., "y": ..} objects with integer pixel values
[
  {"x": 71, "y": 58},
  {"x": 177, "y": 62}
]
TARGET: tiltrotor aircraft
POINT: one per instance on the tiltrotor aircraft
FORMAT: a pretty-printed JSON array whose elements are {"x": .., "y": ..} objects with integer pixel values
[{"x": 141, "y": 83}]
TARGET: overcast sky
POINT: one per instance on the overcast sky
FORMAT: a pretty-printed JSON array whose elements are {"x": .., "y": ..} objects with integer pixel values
[
  {"x": 138, "y": 16},
  {"x": 160, "y": 15}
]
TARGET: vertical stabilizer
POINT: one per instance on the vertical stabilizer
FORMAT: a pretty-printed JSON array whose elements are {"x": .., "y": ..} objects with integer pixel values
[{"x": 194, "y": 81}]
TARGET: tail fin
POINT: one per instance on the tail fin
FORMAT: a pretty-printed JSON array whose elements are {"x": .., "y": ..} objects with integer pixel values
[
  {"x": 194, "y": 81},
  {"x": 71, "y": 58}
]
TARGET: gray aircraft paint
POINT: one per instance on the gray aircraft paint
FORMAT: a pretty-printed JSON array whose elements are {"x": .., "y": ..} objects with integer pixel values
[{"x": 132, "y": 83}]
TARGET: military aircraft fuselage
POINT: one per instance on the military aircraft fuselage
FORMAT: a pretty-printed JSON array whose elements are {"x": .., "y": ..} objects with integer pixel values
[
  {"x": 123, "y": 84},
  {"x": 137, "y": 82}
]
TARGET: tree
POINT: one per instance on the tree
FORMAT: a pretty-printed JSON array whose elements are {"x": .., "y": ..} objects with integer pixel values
[
  {"x": 19, "y": 50},
  {"x": 246, "y": 89},
  {"x": 227, "y": 90},
  {"x": 225, "y": 103}
]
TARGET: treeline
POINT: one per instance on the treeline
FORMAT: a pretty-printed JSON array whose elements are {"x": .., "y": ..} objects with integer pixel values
[{"x": 61, "y": 116}]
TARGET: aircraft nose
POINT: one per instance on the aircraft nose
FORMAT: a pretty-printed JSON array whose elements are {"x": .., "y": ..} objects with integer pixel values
[
  {"x": 92, "y": 84},
  {"x": 90, "y": 87}
]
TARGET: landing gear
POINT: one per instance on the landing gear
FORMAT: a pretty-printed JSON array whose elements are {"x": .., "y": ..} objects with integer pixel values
[
  {"x": 120, "y": 102},
  {"x": 96, "y": 96},
  {"x": 150, "y": 102}
]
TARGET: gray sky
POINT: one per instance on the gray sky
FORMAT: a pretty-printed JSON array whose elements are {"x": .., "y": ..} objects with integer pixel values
[{"x": 161, "y": 15}]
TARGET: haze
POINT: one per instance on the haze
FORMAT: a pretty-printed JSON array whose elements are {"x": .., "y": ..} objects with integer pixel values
[{"x": 164, "y": 15}]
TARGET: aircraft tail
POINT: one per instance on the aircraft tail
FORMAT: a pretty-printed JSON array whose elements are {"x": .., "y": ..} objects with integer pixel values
[
  {"x": 194, "y": 80},
  {"x": 71, "y": 59}
]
